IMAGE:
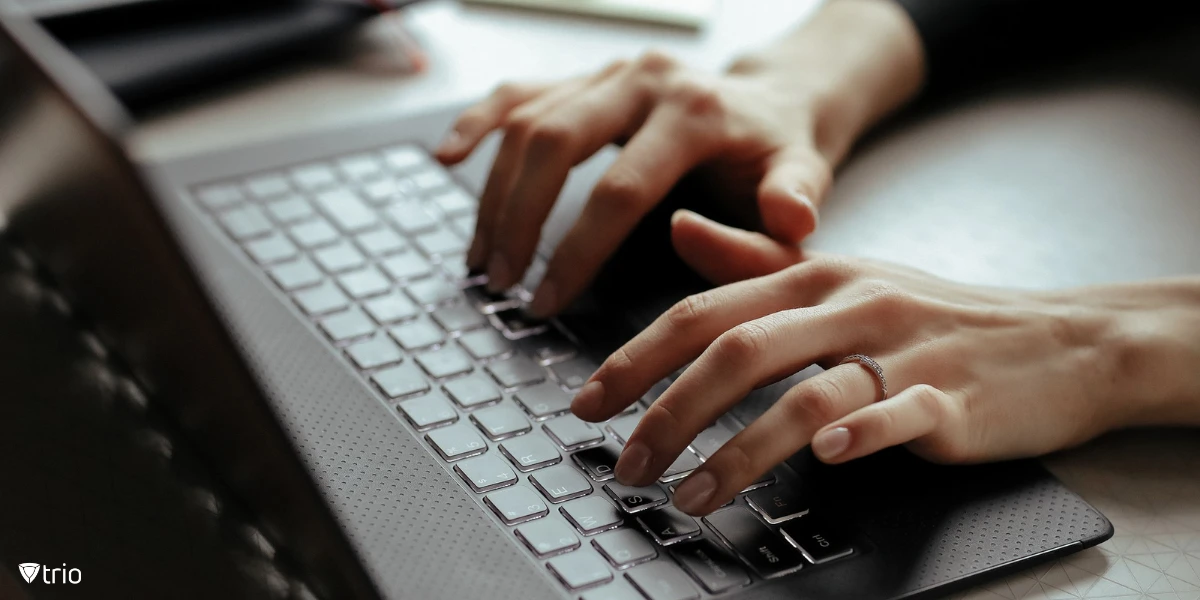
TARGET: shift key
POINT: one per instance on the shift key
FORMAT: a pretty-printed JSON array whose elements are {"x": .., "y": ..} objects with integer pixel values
[{"x": 763, "y": 549}]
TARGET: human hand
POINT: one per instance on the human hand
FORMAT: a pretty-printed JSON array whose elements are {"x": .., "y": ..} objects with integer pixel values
[
  {"x": 769, "y": 131},
  {"x": 975, "y": 374}
]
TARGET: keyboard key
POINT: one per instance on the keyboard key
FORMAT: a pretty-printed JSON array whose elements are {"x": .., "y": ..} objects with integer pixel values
[
  {"x": 635, "y": 499},
  {"x": 431, "y": 179},
  {"x": 458, "y": 317},
  {"x": 597, "y": 462},
  {"x": 290, "y": 209},
  {"x": 572, "y": 433},
  {"x": 313, "y": 234},
  {"x": 592, "y": 515},
  {"x": 439, "y": 242},
  {"x": 322, "y": 299},
  {"x": 408, "y": 265},
  {"x": 314, "y": 176},
  {"x": 544, "y": 400},
  {"x": 560, "y": 483},
  {"x": 268, "y": 185},
  {"x": 625, "y": 547},
  {"x": 485, "y": 473},
  {"x": 572, "y": 374},
  {"x": 364, "y": 282},
  {"x": 529, "y": 453},
  {"x": 767, "y": 479},
  {"x": 662, "y": 580},
  {"x": 517, "y": 504},
  {"x": 453, "y": 202},
  {"x": 457, "y": 442},
  {"x": 381, "y": 242},
  {"x": 548, "y": 537},
  {"x": 485, "y": 344},
  {"x": 431, "y": 291},
  {"x": 417, "y": 334},
  {"x": 219, "y": 196},
  {"x": 548, "y": 347},
  {"x": 517, "y": 324},
  {"x": 464, "y": 225},
  {"x": 489, "y": 302},
  {"x": 347, "y": 325},
  {"x": 391, "y": 308},
  {"x": 616, "y": 590},
  {"x": 710, "y": 565},
  {"x": 346, "y": 210},
  {"x": 455, "y": 267},
  {"x": 623, "y": 427},
  {"x": 295, "y": 274},
  {"x": 271, "y": 249},
  {"x": 375, "y": 352},
  {"x": 684, "y": 464},
  {"x": 404, "y": 158},
  {"x": 779, "y": 503},
  {"x": 580, "y": 569},
  {"x": 656, "y": 390},
  {"x": 515, "y": 372},
  {"x": 409, "y": 217},
  {"x": 472, "y": 391},
  {"x": 711, "y": 439},
  {"x": 384, "y": 190},
  {"x": 768, "y": 553},
  {"x": 668, "y": 525},
  {"x": 500, "y": 422},
  {"x": 444, "y": 362},
  {"x": 401, "y": 380},
  {"x": 428, "y": 411},
  {"x": 361, "y": 167},
  {"x": 819, "y": 542},
  {"x": 245, "y": 222},
  {"x": 339, "y": 257}
]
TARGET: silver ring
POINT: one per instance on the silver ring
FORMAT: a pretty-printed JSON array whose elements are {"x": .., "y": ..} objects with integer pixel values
[{"x": 871, "y": 366}]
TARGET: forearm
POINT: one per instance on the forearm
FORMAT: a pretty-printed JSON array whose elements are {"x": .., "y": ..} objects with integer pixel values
[{"x": 861, "y": 59}]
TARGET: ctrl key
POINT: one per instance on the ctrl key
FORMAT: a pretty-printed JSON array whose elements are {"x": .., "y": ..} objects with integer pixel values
[{"x": 818, "y": 542}]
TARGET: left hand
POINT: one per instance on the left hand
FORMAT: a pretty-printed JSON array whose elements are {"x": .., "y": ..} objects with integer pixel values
[{"x": 974, "y": 374}]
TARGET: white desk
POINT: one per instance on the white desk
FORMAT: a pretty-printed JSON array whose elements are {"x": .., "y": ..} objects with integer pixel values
[{"x": 1038, "y": 189}]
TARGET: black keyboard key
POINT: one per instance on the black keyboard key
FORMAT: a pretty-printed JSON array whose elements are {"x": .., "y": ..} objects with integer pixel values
[
  {"x": 625, "y": 547},
  {"x": 592, "y": 515},
  {"x": 517, "y": 504},
  {"x": 489, "y": 302},
  {"x": 548, "y": 537},
  {"x": 580, "y": 569},
  {"x": 668, "y": 525},
  {"x": 820, "y": 542},
  {"x": 711, "y": 565},
  {"x": 635, "y": 499},
  {"x": 572, "y": 374},
  {"x": 516, "y": 372},
  {"x": 516, "y": 323},
  {"x": 662, "y": 580},
  {"x": 472, "y": 391},
  {"x": 548, "y": 347},
  {"x": 597, "y": 462},
  {"x": 544, "y": 400},
  {"x": 779, "y": 503},
  {"x": 764, "y": 550}
]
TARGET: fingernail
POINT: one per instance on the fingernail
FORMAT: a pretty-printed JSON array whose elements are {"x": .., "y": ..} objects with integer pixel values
[
  {"x": 589, "y": 399},
  {"x": 695, "y": 492},
  {"x": 806, "y": 201},
  {"x": 676, "y": 216},
  {"x": 631, "y": 467},
  {"x": 545, "y": 300},
  {"x": 498, "y": 273},
  {"x": 450, "y": 143},
  {"x": 829, "y": 444}
]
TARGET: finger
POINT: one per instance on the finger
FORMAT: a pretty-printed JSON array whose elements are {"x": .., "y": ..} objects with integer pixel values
[
  {"x": 480, "y": 119},
  {"x": 741, "y": 359},
  {"x": 557, "y": 141},
  {"x": 779, "y": 433},
  {"x": 653, "y": 160},
  {"x": 505, "y": 168},
  {"x": 913, "y": 414},
  {"x": 684, "y": 331},
  {"x": 723, "y": 254},
  {"x": 796, "y": 181}
]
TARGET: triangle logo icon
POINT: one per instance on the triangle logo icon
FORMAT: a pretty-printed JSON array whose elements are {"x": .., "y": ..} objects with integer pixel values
[{"x": 29, "y": 571}]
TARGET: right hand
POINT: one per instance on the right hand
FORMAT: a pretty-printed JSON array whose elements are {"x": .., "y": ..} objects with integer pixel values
[{"x": 768, "y": 130}]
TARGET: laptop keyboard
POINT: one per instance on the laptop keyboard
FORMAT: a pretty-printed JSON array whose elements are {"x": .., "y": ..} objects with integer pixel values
[{"x": 369, "y": 247}]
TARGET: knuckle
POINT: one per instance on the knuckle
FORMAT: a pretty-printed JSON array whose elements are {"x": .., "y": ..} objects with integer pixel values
[
  {"x": 688, "y": 312},
  {"x": 655, "y": 62},
  {"x": 930, "y": 400},
  {"x": 520, "y": 123},
  {"x": 698, "y": 98},
  {"x": 743, "y": 343},
  {"x": 549, "y": 135},
  {"x": 621, "y": 190},
  {"x": 619, "y": 366},
  {"x": 886, "y": 296},
  {"x": 825, "y": 272},
  {"x": 817, "y": 404}
]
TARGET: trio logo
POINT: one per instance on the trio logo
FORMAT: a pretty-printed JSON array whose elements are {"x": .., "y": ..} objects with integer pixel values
[{"x": 29, "y": 572}]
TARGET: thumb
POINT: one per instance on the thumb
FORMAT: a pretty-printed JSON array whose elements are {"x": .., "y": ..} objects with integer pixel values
[
  {"x": 724, "y": 254},
  {"x": 795, "y": 183}
]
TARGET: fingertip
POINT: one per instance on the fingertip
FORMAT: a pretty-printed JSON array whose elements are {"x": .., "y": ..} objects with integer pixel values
[
  {"x": 788, "y": 214},
  {"x": 831, "y": 443},
  {"x": 589, "y": 402}
]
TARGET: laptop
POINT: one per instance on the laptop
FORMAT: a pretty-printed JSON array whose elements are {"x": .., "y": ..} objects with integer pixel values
[{"x": 301, "y": 310}]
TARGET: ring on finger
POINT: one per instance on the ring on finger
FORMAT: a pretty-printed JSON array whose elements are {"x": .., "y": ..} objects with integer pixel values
[{"x": 872, "y": 366}]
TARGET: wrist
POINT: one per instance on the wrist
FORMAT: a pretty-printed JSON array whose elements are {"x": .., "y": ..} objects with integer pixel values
[{"x": 856, "y": 61}]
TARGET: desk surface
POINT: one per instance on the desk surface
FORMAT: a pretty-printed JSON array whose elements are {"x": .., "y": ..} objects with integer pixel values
[{"x": 1063, "y": 185}]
